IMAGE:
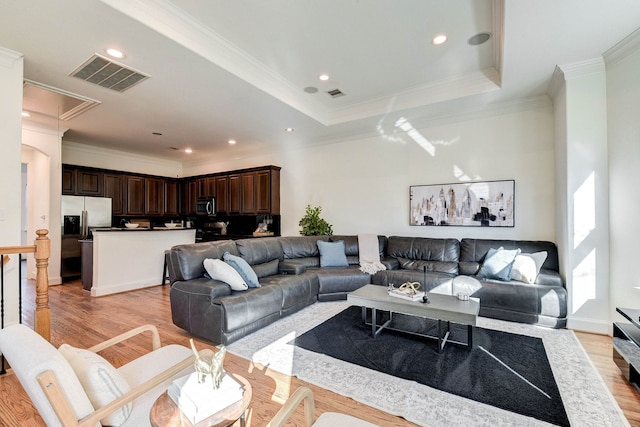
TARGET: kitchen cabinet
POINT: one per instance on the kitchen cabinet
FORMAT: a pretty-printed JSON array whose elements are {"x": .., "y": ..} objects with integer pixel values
[
  {"x": 88, "y": 183},
  {"x": 248, "y": 188},
  {"x": 268, "y": 191},
  {"x": 134, "y": 195},
  {"x": 153, "y": 196},
  {"x": 113, "y": 188},
  {"x": 208, "y": 187},
  {"x": 222, "y": 193},
  {"x": 188, "y": 196},
  {"x": 68, "y": 180},
  {"x": 171, "y": 197},
  {"x": 235, "y": 193}
]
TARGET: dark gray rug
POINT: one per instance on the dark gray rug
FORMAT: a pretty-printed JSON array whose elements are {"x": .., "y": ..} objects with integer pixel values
[{"x": 508, "y": 371}]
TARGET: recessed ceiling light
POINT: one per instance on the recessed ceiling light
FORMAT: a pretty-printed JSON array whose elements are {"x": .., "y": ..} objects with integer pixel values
[
  {"x": 288, "y": 129},
  {"x": 115, "y": 53},
  {"x": 25, "y": 114},
  {"x": 188, "y": 150},
  {"x": 324, "y": 77},
  {"x": 479, "y": 39},
  {"x": 439, "y": 39},
  {"x": 232, "y": 141}
]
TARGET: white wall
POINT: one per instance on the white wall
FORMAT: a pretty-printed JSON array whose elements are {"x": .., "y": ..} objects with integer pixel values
[
  {"x": 623, "y": 95},
  {"x": 41, "y": 153},
  {"x": 11, "y": 71},
  {"x": 74, "y": 153},
  {"x": 581, "y": 123},
  {"x": 363, "y": 184}
]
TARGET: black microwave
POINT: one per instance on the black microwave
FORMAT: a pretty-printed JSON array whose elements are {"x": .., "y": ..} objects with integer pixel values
[{"x": 206, "y": 206}]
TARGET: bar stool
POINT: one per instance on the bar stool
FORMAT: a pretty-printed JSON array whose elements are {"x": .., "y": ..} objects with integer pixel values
[{"x": 165, "y": 273}]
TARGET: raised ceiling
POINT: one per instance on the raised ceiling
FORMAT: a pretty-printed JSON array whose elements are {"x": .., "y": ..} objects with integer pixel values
[{"x": 221, "y": 70}]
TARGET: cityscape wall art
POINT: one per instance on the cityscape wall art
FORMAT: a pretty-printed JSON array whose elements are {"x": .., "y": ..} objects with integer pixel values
[{"x": 466, "y": 204}]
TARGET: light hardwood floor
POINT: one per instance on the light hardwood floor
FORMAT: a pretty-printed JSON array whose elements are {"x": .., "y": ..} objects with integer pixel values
[{"x": 81, "y": 320}]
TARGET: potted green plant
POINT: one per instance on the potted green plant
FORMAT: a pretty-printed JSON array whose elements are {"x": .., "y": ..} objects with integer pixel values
[{"x": 312, "y": 224}]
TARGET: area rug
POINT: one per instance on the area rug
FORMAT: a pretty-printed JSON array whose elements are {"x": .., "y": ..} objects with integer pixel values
[
  {"x": 586, "y": 399},
  {"x": 510, "y": 371}
]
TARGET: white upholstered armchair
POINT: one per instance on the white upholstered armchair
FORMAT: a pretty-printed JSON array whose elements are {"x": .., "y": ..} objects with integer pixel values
[{"x": 77, "y": 387}]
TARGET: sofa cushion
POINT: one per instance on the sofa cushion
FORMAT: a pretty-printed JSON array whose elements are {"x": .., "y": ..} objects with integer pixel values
[
  {"x": 220, "y": 270},
  {"x": 474, "y": 250},
  {"x": 243, "y": 268},
  {"x": 527, "y": 266},
  {"x": 100, "y": 380},
  {"x": 443, "y": 267},
  {"x": 443, "y": 252},
  {"x": 498, "y": 264},
  {"x": 243, "y": 308},
  {"x": 187, "y": 260},
  {"x": 341, "y": 279},
  {"x": 301, "y": 246},
  {"x": 266, "y": 269},
  {"x": 332, "y": 254},
  {"x": 259, "y": 251}
]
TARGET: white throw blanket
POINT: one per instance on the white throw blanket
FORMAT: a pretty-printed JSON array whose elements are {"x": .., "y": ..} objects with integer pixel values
[{"x": 369, "y": 254}]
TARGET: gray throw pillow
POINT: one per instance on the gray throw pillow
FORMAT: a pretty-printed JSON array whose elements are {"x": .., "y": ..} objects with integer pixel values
[
  {"x": 498, "y": 263},
  {"x": 243, "y": 268},
  {"x": 332, "y": 254}
]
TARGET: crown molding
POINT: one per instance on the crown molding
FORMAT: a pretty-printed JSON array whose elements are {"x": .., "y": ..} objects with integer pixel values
[
  {"x": 41, "y": 128},
  {"x": 471, "y": 84},
  {"x": 172, "y": 22},
  {"x": 574, "y": 70},
  {"x": 498, "y": 34},
  {"x": 623, "y": 49},
  {"x": 8, "y": 57},
  {"x": 116, "y": 155}
]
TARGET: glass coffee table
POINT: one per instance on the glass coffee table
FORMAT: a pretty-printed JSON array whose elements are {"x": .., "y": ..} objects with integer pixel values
[
  {"x": 165, "y": 413},
  {"x": 442, "y": 308}
]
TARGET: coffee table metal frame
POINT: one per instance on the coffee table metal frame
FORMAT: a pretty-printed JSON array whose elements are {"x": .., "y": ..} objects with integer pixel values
[{"x": 443, "y": 308}]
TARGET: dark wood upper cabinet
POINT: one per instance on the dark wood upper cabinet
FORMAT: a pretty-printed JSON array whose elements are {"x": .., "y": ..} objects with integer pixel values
[
  {"x": 188, "y": 196},
  {"x": 154, "y": 196},
  {"x": 222, "y": 193},
  {"x": 113, "y": 188},
  {"x": 268, "y": 191},
  {"x": 248, "y": 188},
  {"x": 171, "y": 197},
  {"x": 88, "y": 183},
  {"x": 248, "y": 192},
  {"x": 235, "y": 193},
  {"x": 68, "y": 180},
  {"x": 134, "y": 195}
]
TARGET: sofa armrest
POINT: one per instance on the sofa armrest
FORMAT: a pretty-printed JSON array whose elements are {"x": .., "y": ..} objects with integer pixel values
[
  {"x": 203, "y": 286},
  {"x": 390, "y": 263},
  {"x": 549, "y": 278},
  {"x": 291, "y": 267}
]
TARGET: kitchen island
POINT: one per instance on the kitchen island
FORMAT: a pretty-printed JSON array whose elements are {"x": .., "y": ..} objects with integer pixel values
[{"x": 128, "y": 259}]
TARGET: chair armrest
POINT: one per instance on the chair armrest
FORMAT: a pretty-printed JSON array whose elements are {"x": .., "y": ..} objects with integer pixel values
[
  {"x": 155, "y": 338},
  {"x": 302, "y": 394}
]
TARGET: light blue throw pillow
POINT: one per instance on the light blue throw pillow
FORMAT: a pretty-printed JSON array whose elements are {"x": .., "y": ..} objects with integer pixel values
[
  {"x": 243, "y": 268},
  {"x": 332, "y": 254},
  {"x": 498, "y": 263}
]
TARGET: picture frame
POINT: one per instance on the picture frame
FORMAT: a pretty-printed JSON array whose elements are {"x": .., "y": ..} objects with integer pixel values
[{"x": 463, "y": 204}]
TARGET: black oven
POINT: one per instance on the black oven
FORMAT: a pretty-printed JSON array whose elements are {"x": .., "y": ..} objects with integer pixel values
[{"x": 206, "y": 206}]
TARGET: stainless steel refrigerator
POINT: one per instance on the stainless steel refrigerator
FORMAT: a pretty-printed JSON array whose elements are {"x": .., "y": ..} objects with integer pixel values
[
  {"x": 91, "y": 212},
  {"x": 79, "y": 215}
]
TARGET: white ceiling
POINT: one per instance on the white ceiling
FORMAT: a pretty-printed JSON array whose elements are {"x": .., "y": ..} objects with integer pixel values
[{"x": 237, "y": 69}]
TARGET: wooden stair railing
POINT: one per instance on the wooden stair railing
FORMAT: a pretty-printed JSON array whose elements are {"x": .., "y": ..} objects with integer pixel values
[{"x": 42, "y": 251}]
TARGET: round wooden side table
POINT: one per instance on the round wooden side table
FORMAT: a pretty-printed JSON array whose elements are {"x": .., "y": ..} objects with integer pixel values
[{"x": 165, "y": 413}]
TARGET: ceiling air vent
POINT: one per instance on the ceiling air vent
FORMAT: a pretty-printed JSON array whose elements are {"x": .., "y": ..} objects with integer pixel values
[
  {"x": 335, "y": 93},
  {"x": 106, "y": 73}
]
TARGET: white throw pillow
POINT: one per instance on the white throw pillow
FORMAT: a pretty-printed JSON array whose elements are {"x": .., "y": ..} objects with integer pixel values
[
  {"x": 527, "y": 266},
  {"x": 101, "y": 381},
  {"x": 220, "y": 270}
]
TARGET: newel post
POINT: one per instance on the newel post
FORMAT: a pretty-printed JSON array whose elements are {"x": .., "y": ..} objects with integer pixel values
[{"x": 42, "y": 317}]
